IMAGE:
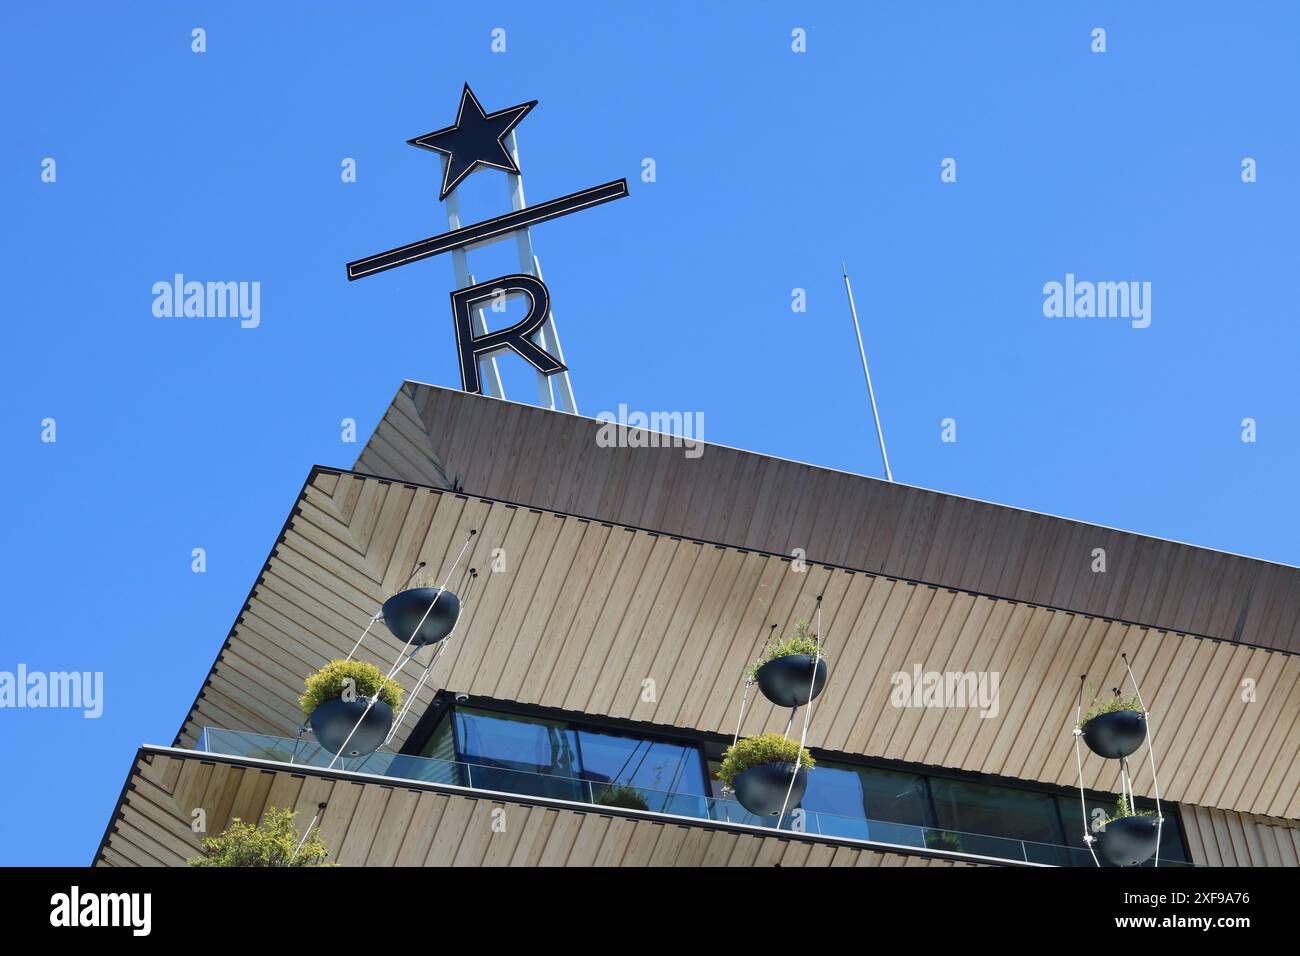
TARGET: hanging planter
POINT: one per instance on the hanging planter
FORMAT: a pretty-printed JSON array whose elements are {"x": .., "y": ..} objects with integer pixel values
[
  {"x": 785, "y": 671},
  {"x": 1129, "y": 837},
  {"x": 1114, "y": 728},
  {"x": 759, "y": 770},
  {"x": 427, "y": 612},
  {"x": 336, "y": 699}
]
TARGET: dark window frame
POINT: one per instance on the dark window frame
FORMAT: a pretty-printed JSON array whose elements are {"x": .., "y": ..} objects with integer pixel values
[
  {"x": 710, "y": 746},
  {"x": 444, "y": 704}
]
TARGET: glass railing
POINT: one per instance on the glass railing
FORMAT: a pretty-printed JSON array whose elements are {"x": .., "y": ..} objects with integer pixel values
[{"x": 527, "y": 783}]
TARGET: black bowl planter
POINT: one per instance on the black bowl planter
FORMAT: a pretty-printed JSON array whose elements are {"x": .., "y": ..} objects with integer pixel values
[
  {"x": 1128, "y": 841},
  {"x": 785, "y": 681},
  {"x": 405, "y": 609},
  {"x": 1117, "y": 734},
  {"x": 761, "y": 789},
  {"x": 333, "y": 720}
]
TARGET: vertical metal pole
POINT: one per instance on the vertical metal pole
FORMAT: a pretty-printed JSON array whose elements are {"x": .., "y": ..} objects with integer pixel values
[
  {"x": 460, "y": 265},
  {"x": 880, "y": 434},
  {"x": 550, "y": 388}
]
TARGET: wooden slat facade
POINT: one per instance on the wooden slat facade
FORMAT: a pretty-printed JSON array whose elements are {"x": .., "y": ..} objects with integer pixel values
[
  {"x": 1227, "y": 838},
  {"x": 606, "y": 570},
  {"x": 370, "y": 824},
  {"x": 583, "y": 612},
  {"x": 545, "y": 459}
]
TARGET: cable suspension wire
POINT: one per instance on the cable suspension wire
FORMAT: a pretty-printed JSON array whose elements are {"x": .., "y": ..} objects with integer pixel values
[
  {"x": 320, "y": 808},
  {"x": 749, "y": 682},
  {"x": 1078, "y": 759},
  {"x": 433, "y": 663},
  {"x": 807, "y": 713},
  {"x": 379, "y": 615},
  {"x": 1155, "y": 782},
  {"x": 735, "y": 738},
  {"x": 375, "y": 619},
  {"x": 399, "y": 662}
]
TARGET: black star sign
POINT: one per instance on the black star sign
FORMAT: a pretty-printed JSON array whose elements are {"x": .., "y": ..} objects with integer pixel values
[{"x": 477, "y": 139}]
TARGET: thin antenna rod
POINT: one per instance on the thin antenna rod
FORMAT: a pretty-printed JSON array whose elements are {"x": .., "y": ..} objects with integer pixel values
[{"x": 853, "y": 309}]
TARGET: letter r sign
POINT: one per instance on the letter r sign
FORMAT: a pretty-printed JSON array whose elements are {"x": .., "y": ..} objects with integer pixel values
[{"x": 516, "y": 337}]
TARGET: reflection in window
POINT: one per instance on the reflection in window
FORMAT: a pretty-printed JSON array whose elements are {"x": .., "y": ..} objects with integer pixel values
[
  {"x": 548, "y": 757},
  {"x": 996, "y": 811},
  {"x": 516, "y": 743},
  {"x": 885, "y": 795},
  {"x": 646, "y": 764}
]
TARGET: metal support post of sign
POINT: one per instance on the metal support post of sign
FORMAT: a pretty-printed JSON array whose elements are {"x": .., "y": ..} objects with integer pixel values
[
  {"x": 553, "y": 391},
  {"x": 464, "y": 279},
  {"x": 482, "y": 139},
  {"x": 550, "y": 388}
]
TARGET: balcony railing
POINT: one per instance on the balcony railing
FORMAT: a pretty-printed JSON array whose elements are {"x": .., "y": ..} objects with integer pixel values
[{"x": 526, "y": 783}]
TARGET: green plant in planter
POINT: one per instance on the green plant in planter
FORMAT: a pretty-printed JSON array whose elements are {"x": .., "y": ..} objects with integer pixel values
[
  {"x": 331, "y": 681},
  {"x": 622, "y": 795},
  {"x": 269, "y": 843},
  {"x": 940, "y": 840},
  {"x": 755, "y": 751},
  {"x": 801, "y": 641},
  {"x": 1109, "y": 705},
  {"x": 1125, "y": 809}
]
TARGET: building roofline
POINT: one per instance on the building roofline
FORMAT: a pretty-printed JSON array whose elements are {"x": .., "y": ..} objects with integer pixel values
[{"x": 903, "y": 484}]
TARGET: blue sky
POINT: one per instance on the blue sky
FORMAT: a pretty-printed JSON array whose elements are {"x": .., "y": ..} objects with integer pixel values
[{"x": 771, "y": 167}]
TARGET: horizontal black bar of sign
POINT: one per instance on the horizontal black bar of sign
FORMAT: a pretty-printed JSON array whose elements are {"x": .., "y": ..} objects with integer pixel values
[{"x": 488, "y": 229}]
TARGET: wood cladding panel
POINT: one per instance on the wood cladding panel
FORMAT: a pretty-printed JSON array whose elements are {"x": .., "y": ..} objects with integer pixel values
[
  {"x": 1227, "y": 838},
  {"x": 521, "y": 453},
  {"x": 585, "y": 615},
  {"x": 370, "y": 824}
]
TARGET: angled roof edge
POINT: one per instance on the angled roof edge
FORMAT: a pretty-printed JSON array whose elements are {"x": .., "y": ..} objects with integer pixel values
[
  {"x": 532, "y": 456},
  {"x": 838, "y": 471}
]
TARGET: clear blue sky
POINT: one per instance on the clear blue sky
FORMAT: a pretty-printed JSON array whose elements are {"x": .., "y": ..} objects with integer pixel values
[{"x": 771, "y": 167}]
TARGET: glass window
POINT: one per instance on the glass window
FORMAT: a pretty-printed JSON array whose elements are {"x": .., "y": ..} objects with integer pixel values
[
  {"x": 637, "y": 762},
  {"x": 496, "y": 750},
  {"x": 518, "y": 743},
  {"x": 885, "y": 795},
  {"x": 441, "y": 744},
  {"x": 547, "y": 757},
  {"x": 996, "y": 810},
  {"x": 518, "y": 754}
]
